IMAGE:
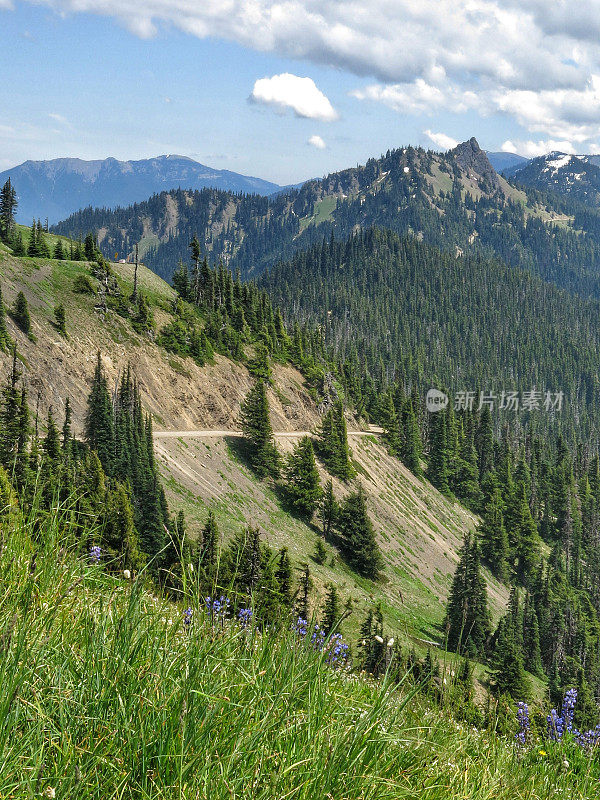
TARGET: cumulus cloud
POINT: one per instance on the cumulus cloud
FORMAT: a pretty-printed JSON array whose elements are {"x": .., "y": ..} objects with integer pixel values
[
  {"x": 290, "y": 91},
  {"x": 441, "y": 140},
  {"x": 317, "y": 141},
  {"x": 532, "y": 60},
  {"x": 531, "y": 149}
]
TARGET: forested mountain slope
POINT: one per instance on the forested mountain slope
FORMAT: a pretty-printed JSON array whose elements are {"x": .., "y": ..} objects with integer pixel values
[
  {"x": 415, "y": 314},
  {"x": 455, "y": 201},
  {"x": 415, "y": 524}
]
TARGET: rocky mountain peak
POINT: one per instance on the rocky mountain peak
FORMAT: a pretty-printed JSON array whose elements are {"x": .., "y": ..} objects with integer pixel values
[{"x": 472, "y": 159}]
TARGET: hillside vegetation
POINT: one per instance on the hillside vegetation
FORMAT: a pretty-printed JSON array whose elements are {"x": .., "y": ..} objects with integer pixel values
[
  {"x": 420, "y": 531},
  {"x": 110, "y": 692}
]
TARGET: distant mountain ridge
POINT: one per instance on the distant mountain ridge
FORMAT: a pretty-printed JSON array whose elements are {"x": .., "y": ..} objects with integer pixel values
[
  {"x": 506, "y": 162},
  {"x": 57, "y": 188},
  {"x": 455, "y": 201},
  {"x": 577, "y": 176}
]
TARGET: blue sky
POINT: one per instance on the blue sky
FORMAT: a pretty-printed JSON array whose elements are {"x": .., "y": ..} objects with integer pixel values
[{"x": 121, "y": 80}]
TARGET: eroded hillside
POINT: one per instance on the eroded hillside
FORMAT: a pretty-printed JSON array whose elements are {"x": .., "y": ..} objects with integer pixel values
[{"x": 419, "y": 531}]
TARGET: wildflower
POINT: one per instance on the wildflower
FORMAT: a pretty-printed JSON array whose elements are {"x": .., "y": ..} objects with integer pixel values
[
  {"x": 245, "y": 617},
  {"x": 542, "y": 753},
  {"x": 390, "y": 642},
  {"x": 187, "y": 617},
  {"x": 217, "y": 607},
  {"x": 379, "y": 639},
  {"x": 126, "y": 574},
  {"x": 49, "y": 792},
  {"x": 523, "y": 720},
  {"x": 191, "y": 568},
  {"x": 566, "y": 764},
  {"x": 301, "y": 627},
  {"x": 318, "y": 638},
  {"x": 95, "y": 553}
]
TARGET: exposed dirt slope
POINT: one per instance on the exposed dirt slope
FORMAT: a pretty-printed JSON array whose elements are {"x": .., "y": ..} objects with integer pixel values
[
  {"x": 419, "y": 530},
  {"x": 179, "y": 394}
]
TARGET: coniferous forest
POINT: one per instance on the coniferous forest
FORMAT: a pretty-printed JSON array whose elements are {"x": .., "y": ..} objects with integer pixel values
[{"x": 371, "y": 320}]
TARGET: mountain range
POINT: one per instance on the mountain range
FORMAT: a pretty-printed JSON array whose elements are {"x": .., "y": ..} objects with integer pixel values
[
  {"x": 455, "y": 201},
  {"x": 55, "y": 189}
]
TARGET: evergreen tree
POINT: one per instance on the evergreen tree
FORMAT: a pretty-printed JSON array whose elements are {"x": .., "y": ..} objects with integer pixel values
[
  {"x": 8, "y": 205},
  {"x": 438, "y": 466},
  {"x": 52, "y": 449},
  {"x": 330, "y": 613},
  {"x": 467, "y": 618},
  {"x": 99, "y": 422},
  {"x": 258, "y": 433},
  {"x": 302, "y": 607},
  {"x": 60, "y": 317},
  {"x": 328, "y": 509},
  {"x": 59, "y": 252},
  {"x": 509, "y": 674},
  {"x": 32, "y": 247},
  {"x": 20, "y": 314},
  {"x": 119, "y": 538},
  {"x": 181, "y": 281},
  {"x": 320, "y": 554},
  {"x": 358, "y": 535},
  {"x": 333, "y": 442},
  {"x": 302, "y": 482},
  {"x": 494, "y": 541},
  {"x": 11, "y": 429},
  {"x": 18, "y": 245},
  {"x": 283, "y": 576},
  {"x": 89, "y": 247},
  {"x": 411, "y": 446}
]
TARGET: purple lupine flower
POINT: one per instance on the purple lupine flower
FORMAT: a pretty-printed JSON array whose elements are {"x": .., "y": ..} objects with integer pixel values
[
  {"x": 187, "y": 617},
  {"x": 217, "y": 607},
  {"x": 301, "y": 627},
  {"x": 337, "y": 650},
  {"x": 95, "y": 553},
  {"x": 523, "y": 720},
  {"x": 555, "y": 726},
  {"x": 245, "y": 617},
  {"x": 318, "y": 638},
  {"x": 568, "y": 708}
]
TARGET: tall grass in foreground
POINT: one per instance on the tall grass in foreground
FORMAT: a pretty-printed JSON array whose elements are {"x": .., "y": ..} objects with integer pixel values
[{"x": 106, "y": 693}]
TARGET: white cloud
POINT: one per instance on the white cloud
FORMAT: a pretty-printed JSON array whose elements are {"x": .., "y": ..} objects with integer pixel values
[
  {"x": 441, "y": 140},
  {"x": 418, "y": 97},
  {"x": 290, "y": 91},
  {"x": 59, "y": 118},
  {"x": 317, "y": 141},
  {"x": 533, "y": 60},
  {"x": 531, "y": 149}
]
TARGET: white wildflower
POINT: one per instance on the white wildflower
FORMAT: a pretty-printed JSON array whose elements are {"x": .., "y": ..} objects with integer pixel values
[
  {"x": 390, "y": 642},
  {"x": 126, "y": 574},
  {"x": 379, "y": 639},
  {"x": 49, "y": 792}
]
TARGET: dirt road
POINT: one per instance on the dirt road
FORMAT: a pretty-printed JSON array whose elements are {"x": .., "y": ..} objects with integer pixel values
[{"x": 207, "y": 434}]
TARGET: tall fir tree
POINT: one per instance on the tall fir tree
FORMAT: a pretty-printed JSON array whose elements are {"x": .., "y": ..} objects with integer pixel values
[
  {"x": 99, "y": 421},
  {"x": 358, "y": 535},
  {"x": 302, "y": 482},
  {"x": 467, "y": 620},
  {"x": 256, "y": 427},
  {"x": 8, "y": 206}
]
